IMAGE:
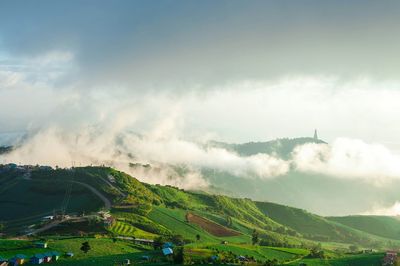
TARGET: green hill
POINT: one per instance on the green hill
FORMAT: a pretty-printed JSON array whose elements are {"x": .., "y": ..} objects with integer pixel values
[
  {"x": 312, "y": 226},
  {"x": 144, "y": 210},
  {"x": 383, "y": 226}
]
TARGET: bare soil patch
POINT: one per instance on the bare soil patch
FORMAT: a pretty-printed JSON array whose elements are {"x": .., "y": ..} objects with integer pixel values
[{"x": 211, "y": 227}]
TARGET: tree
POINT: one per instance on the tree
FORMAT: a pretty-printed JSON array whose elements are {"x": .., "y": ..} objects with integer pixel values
[
  {"x": 85, "y": 247},
  {"x": 197, "y": 237},
  {"x": 177, "y": 240},
  {"x": 254, "y": 237},
  {"x": 158, "y": 242},
  {"x": 178, "y": 255}
]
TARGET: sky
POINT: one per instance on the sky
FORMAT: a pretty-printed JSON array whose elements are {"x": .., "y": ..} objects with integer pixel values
[
  {"x": 75, "y": 76},
  {"x": 282, "y": 68}
]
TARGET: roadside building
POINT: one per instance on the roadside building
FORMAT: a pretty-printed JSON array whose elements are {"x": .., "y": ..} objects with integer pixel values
[{"x": 390, "y": 258}]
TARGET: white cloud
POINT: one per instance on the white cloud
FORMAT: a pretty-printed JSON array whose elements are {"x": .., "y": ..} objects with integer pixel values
[
  {"x": 349, "y": 158},
  {"x": 393, "y": 210}
]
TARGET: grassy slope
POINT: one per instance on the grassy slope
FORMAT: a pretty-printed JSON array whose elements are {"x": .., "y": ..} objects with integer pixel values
[
  {"x": 245, "y": 214},
  {"x": 315, "y": 227},
  {"x": 383, "y": 226}
]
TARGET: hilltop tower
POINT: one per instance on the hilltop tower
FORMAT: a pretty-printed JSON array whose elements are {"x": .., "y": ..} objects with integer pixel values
[{"x": 315, "y": 135}]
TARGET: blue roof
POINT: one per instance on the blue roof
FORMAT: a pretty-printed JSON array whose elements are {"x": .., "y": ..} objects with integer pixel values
[
  {"x": 167, "y": 251},
  {"x": 39, "y": 256},
  {"x": 20, "y": 256}
]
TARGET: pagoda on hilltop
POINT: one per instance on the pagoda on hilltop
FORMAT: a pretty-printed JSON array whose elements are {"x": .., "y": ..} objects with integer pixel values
[{"x": 315, "y": 135}]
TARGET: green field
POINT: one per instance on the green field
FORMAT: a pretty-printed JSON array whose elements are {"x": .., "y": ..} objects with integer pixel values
[
  {"x": 126, "y": 229},
  {"x": 174, "y": 220},
  {"x": 103, "y": 251},
  {"x": 258, "y": 252},
  {"x": 355, "y": 260}
]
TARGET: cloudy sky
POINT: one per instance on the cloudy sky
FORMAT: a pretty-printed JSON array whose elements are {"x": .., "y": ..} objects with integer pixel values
[
  {"x": 233, "y": 70},
  {"x": 78, "y": 76}
]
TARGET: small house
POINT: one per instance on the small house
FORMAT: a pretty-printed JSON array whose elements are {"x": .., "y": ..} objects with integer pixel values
[
  {"x": 37, "y": 259},
  {"x": 41, "y": 244},
  {"x": 127, "y": 262},
  {"x": 69, "y": 254},
  {"x": 145, "y": 257},
  {"x": 167, "y": 251},
  {"x": 3, "y": 262},
  {"x": 47, "y": 257},
  {"x": 18, "y": 259},
  {"x": 109, "y": 221}
]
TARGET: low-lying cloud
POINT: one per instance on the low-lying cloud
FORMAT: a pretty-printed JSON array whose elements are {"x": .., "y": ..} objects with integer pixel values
[
  {"x": 348, "y": 158},
  {"x": 393, "y": 210},
  {"x": 57, "y": 147}
]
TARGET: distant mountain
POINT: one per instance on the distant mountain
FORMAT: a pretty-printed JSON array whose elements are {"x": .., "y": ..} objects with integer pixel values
[{"x": 279, "y": 147}]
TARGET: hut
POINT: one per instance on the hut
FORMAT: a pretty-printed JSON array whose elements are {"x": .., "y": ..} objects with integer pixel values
[
  {"x": 55, "y": 255},
  {"x": 18, "y": 259},
  {"x": 37, "y": 259}
]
